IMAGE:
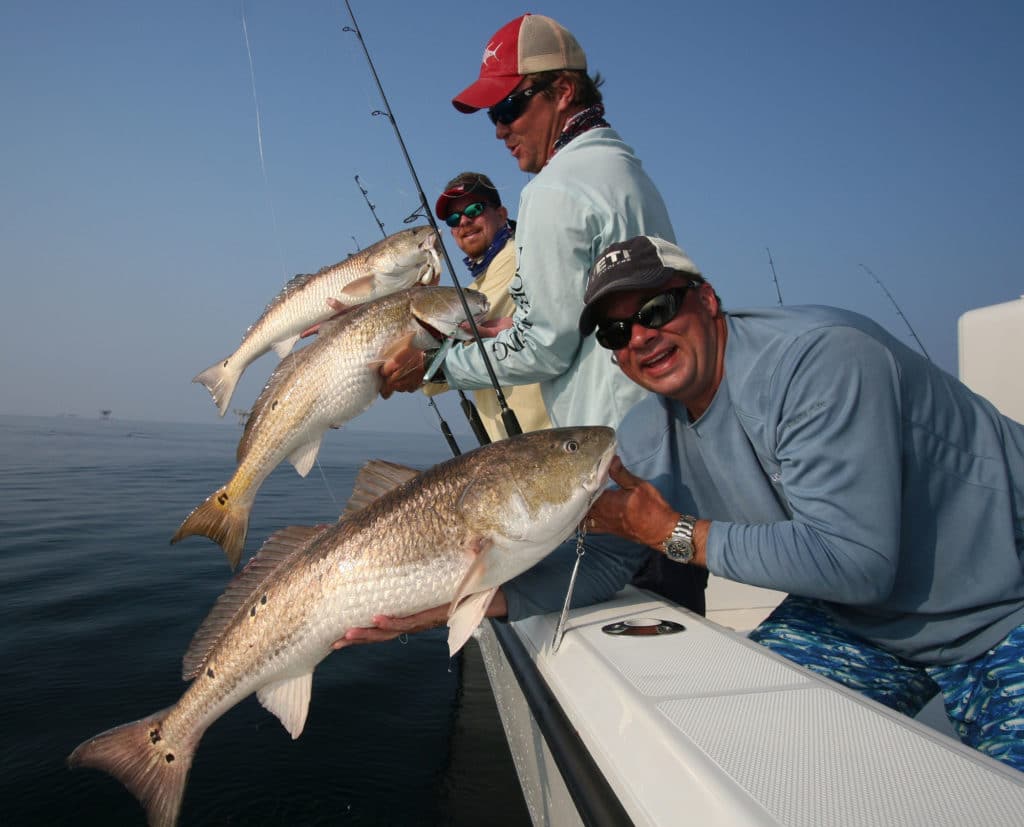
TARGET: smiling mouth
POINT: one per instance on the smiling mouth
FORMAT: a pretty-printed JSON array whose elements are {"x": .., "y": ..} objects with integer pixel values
[{"x": 656, "y": 359}]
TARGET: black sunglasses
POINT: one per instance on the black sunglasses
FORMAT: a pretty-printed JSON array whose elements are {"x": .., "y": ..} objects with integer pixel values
[
  {"x": 656, "y": 312},
  {"x": 471, "y": 211},
  {"x": 507, "y": 110}
]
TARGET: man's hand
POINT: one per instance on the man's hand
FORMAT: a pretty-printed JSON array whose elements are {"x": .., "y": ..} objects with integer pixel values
[
  {"x": 636, "y": 510},
  {"x": 388, "y": 628},
  {"x": 489, "y": 328},
  {"x": 338, "y": 309},
  {"x": 403, "y": 372}
]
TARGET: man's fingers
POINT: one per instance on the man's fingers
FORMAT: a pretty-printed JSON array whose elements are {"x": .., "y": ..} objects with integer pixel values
[
  {"x": 621, "y": 475},
  {"x": 402, "y": 372},
  {"x": 387, "y": 628},
  {"x": 338, "y": 309}
]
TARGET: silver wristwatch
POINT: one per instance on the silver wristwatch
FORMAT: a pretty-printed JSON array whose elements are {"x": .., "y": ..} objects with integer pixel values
[{"x": 679, "y": 545}]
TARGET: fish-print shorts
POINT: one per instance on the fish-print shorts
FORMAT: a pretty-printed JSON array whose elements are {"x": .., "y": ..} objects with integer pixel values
[{"x": 984, "y": 698}]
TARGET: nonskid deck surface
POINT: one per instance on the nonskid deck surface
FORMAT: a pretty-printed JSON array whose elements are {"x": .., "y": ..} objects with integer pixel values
[{"x": 706, "y": 723}]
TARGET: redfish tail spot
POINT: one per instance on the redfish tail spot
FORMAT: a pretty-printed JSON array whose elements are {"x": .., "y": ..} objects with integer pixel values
[
  {"x": 221, "y": 519},
  {"x": 152, "y": 767}
]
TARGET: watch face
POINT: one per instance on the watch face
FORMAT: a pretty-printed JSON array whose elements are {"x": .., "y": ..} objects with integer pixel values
[{"x": 679, "y": 551}]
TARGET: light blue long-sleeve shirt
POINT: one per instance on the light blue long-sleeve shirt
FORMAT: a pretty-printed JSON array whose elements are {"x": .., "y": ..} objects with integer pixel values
[
  {"x": 837, "y": 464},
  {"x": 593, "y": 193}
]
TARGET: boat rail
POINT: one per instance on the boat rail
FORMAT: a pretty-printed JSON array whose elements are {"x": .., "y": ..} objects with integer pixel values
[{"x": 596, "y": 802}]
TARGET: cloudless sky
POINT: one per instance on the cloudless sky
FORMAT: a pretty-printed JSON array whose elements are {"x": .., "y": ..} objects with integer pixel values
[{"x": 140, "y": 234}]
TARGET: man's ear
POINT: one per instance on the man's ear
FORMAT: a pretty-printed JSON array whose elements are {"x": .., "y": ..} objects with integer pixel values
[
  {"x": 564, "y": 89},
  {"x": 709, "y": 299}
]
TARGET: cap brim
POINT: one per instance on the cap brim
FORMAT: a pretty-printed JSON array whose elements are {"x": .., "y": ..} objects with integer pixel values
[
  {"x": 441, "y": 207},
  {"x": 640, "y": 280},
  {"x": 485, "y": 92}
]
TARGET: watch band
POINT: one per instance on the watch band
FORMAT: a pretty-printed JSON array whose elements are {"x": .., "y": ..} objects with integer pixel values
[{"x": 678, "y": 546}]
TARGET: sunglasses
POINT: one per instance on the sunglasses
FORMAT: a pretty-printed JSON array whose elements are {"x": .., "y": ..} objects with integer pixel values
[
  {"x": 507, "y": 110},
  {"x": 471, "y": 211},
  {"x": 656, "y": 312}
]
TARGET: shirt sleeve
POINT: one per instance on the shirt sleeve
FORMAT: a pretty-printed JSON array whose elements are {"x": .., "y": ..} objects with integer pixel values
[
  {"x": 553, "y": 257},
  {"x": 834, "y": 416}
]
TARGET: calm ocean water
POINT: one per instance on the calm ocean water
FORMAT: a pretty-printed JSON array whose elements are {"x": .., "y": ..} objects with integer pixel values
[{"x": 97, "y": 609}]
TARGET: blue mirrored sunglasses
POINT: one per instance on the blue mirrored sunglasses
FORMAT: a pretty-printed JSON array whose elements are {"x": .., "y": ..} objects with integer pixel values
[
  {"x": 507, "y": 110},
  {"x": 470, "y": 211},
  {"x": 656, "y": 312}
]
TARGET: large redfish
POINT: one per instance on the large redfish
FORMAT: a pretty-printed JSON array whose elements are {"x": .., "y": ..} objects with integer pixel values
[
  {"x": 323, "y": 385},
  {"x": 401, "y": 260},
  {"x": 450, "y": 535}
]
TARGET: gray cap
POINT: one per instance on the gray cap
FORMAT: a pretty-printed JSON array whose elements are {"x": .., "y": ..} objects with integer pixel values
[{"x": 640, "y": 263}]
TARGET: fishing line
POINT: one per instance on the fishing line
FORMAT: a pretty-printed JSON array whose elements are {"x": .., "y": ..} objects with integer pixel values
[
  {"x": 270, "y": 199},
  {"x": 259, "y": 144},
  {"x": 327, "y": 485},
  {"x": 508, "y": 416}
]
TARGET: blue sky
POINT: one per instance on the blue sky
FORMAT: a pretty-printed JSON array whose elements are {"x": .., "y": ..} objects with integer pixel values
[{"x": 139, "y": 235}]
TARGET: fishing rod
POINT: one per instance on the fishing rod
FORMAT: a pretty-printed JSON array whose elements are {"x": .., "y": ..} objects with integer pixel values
[
  {"x": 373, "y": 209},
  {"x": 906, "y": 321},
  {"x": 508, "y": 416},
  {"x": 596, "y": 801},
  {"x": 775, "y": 278},
  {"x": 447, "y": 431}
]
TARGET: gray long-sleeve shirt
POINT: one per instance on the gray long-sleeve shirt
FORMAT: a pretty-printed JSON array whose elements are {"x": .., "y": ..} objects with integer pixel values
[{"x": 838, "y": 464}]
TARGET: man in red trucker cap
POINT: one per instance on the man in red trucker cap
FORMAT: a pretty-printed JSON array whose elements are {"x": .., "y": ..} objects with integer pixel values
[{"x": 589, "y": 191}]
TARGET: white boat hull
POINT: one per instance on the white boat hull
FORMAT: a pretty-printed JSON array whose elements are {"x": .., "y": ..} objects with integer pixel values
[{"x": 705, "y": 727}]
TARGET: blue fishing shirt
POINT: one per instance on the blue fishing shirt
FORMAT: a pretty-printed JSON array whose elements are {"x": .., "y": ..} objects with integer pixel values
[{"x": 838, "y": 464}]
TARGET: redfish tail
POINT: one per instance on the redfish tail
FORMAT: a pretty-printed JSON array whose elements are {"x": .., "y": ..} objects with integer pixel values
[
  {"x": 138, "y": 755},
  {"x": 223, "y": 520},
  {"x": 220, "y": 381}
]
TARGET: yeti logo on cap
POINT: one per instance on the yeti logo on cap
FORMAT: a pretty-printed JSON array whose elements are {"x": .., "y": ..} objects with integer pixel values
[{"x": 610, "y": 260}]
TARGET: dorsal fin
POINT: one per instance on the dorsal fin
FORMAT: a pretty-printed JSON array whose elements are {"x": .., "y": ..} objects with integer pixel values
[
  {"x": 375, "y": 479},
  {"x": 291, "y": 287},
  {"x": 280, "y": 546}
]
